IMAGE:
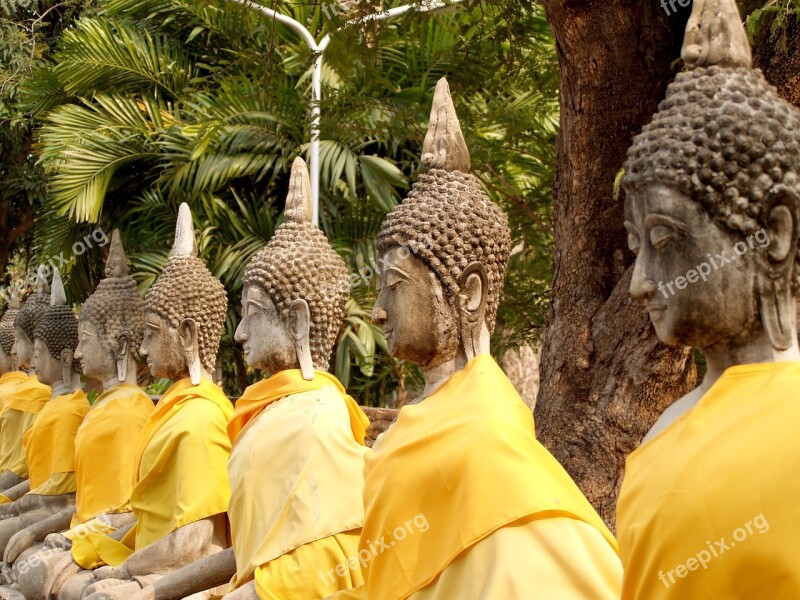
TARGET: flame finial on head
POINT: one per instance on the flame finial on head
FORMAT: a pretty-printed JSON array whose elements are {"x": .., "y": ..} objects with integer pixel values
[
  {"x": 42, "y": 286},
  {"x": 445, "y": 147},
  {"x": 58, "y": 297},
  {"x": 13, "y": 300},
  {"x": 117, "y": 262},
  {"x": 299, "y": 207},
  {"x": 715, "y": 36},
  {"x": 185, "y": 243}
]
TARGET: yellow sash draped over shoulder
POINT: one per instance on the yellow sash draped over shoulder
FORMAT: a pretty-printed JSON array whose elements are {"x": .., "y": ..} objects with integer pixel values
[
  {"x": 50, "y": 444},
  {"x": 709, "y": 508},
  {"x": 181, "y": 470},
  {"x": 22, "y": 399},
  {"x": 310, "y": 437},
  {"x": 451, "y": 471},
  {"x": 105, "y": 451},
  {"x": 182, "y": 458}
]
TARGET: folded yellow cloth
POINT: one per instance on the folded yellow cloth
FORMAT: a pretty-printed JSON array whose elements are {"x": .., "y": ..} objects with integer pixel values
[
  {"x": 313, "y": 492},
  {"x": 451, "y": 471},
  {"x": 105, "y": 450},
  {"x": 50, "y": 444},
  {"x": 708, "y": 508},
  {"x": 291, "y": 381},
  {"x": 181, "y": 470},
  {"x": 22, "y": 396}
]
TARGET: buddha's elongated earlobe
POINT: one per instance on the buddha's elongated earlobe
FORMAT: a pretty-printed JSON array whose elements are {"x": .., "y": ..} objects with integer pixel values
[
  {"x": 775, "y": 275},
  {"x": 122, "y": 358},
  {"x": 301, "y": 332},
  {"x": 472, "y": 311},
  {"x": 188, "y": 333}
]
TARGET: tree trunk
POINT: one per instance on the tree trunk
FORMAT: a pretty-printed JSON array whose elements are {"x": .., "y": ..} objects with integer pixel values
[
  {"x": 605, "y": 375},
  {"x": 779, "y": 58}
]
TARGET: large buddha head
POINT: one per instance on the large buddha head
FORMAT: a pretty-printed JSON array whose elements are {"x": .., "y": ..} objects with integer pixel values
[
  {"x": 443, "y": 254},
  {"x": 8, "y": 362},
  {"x": 712, "y": 197},
  {"x": 111, "y": 323},
  {"x": 55, "y": 339},
  {"x": 26, "y": 320},
  {"x": 184, "y": 312},
  {"x": 295, "y": 291}
]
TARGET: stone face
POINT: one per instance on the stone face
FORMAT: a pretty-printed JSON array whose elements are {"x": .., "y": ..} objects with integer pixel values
[
  {"x": 185, "y": 310},
  {"x": 444, "y": 252},
  {"x": 112, "y": 322},
  {"x": 297, "y": 273},
  {"x": 712, "y": 206}
]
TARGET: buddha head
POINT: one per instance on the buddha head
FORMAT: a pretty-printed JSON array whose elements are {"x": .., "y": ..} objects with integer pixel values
[
  {"x": 443, "y": 254},
  {"x": 295, "y": 291},
  {"x": 55, "y": 339},
  {"x": 184, "y": 312},
  {"x": 111, "y": 323},
  {"x": 712, "y": 197},
  {"x": 8, "y": 362},
  {"x": 26, "y": 320}
]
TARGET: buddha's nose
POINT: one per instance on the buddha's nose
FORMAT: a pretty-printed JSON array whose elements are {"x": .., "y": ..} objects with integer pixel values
[{"x": 379, "y": 315}]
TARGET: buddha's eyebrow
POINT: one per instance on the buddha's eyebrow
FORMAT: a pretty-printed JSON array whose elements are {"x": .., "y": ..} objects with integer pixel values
[
  {"x": 399, "y": 271},
  {"x": 151, "y": 326},
  {"x": 657, "y": 219}
]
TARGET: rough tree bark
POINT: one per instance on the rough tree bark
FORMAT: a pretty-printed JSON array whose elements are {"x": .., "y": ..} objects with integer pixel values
[
  {"x": 605, "y": 375},
  {"x": 781, "y": 64}
]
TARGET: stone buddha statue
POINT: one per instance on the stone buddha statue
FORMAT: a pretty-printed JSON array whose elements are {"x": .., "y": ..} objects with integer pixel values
[
  {"x": 50, "y": 442},
  {"x": 712, "y": 199},
  {"x": 12, "y": 457},
  {"x": 465, "y": 500},
  {"x": 110, "y": 331},
  {"x": 181, "y": 488},
  {"x": 24, "y": 395},
  {"x": 304, "y": 520}
]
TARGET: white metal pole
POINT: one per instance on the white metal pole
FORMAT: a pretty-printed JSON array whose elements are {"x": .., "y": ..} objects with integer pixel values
[{"x": 316, "y": 73}]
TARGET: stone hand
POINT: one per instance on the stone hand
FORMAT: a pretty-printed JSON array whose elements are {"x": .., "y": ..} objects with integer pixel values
[
  {"x": 56, "y": 540},
  {"x": 111, "y": 589},
  {"x": 102, "y": 573},
  {"x": 19, "y": 542}
]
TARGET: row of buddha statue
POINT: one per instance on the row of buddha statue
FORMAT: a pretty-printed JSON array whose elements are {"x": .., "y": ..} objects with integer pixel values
[{"x": 280, "y": 498}]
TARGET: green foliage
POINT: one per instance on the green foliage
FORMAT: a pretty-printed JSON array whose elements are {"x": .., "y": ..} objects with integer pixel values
[
  {"x": 774, "y": 17},
  {"x": 148, "y": 103}
]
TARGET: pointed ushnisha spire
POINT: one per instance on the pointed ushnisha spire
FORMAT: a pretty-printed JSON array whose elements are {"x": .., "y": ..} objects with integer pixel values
[
  {"x": 298, "y": 202},
  {"x": 42, "y": 287},
  {"x": 13, "y": 300},
  {"x": 58, "y": 297},
  {"x": 185, "y": 244},
  {"x": 715, "y": 36},
  {"x": 445, "y": 147},
  {"x": 117, "y": 262}
]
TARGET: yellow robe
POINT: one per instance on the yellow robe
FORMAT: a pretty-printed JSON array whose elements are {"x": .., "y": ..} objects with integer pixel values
[
  {"x": 105, "y": 451},
  {"x": 23, "y": 396},
  {"x": 450, "y": 476},
  {"x": 181, "y": 470},
  {"x": 709, "y": 508},
  {"x": 305, "y": 518},
  {"x": 50, "y": 444}
]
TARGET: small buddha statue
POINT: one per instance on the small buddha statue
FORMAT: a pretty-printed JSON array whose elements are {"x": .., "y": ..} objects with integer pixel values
[
  {"x": 304, "y": 519},
  {"x": 707, "y": 506},
  {"x": 24, "y": 395},
  {"x": 463, "y": 499},
  {"x": 12, "y": 458},
  {"x": 181, "y": 488},
  {"x": 50, "y": 442},
  {"x": 110, "y": 332}
]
